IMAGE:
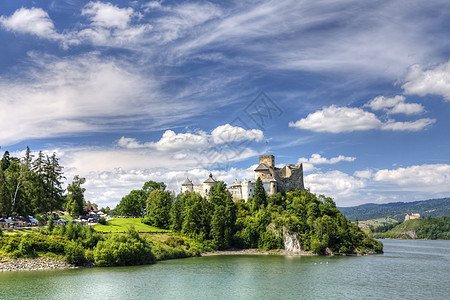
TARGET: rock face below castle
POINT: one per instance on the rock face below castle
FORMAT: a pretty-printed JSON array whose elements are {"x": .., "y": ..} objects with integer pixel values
[{"x": 274, "y": 179}]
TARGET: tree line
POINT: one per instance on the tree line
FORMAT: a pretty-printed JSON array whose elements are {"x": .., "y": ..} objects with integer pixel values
[
  {"x": 219, "y": 223},
  {"x": 33, "y": 185}
]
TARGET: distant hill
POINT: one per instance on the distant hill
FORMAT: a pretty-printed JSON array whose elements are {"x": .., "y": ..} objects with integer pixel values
[
  {"x": 428, "y": 228},
  {"x": 398, "y": 210}
]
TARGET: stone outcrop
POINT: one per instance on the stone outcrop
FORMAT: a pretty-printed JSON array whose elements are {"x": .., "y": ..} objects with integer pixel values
[{"x": 291, "y": 241}]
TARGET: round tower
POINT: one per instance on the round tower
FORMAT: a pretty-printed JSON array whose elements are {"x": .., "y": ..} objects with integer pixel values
[
  {"x": 207, "y": 184},
  {"x": 187, "y": 186}
]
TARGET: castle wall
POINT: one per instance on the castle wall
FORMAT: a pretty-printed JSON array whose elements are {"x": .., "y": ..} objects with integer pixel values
[
  {"x": 287, "y": 179},
  {"x": 264, "y": 175},
  {"x": 187, "y": 188},
  {"x": 291, "y": 178}
]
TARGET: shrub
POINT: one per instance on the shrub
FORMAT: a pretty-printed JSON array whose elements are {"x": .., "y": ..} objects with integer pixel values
[
  {"x": 269, "y": 241},
  {"x": 75, "y": 253},
  {"x": 123, "y": 250},
  {"x": 102, "y": 221}
]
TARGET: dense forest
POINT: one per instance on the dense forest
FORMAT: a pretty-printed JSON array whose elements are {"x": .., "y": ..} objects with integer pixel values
[
  {"x": 426, "y": 228},
  {"x": 33, "y": 186},
  {"x": 398, "y": 210}
]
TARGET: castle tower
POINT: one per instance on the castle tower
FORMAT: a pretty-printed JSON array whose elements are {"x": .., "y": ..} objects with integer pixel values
[
  {"x": 187, "y": 186},
  {"x": 268, "y": 160},
  {"x": 207, "y": 184},
  {"x": 273, "y": 187}
]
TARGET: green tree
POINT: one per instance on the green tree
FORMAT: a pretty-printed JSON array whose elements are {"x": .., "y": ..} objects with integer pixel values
[
  {"x": 50, "y": 223},
  {"x": 75, "y": 198},
  {"x": 223, "y": 215},
  {"x": 259, "y": 198},
  {"x": 177, "y": 210},
  {"x": 159, "y": 204},
  {"x": 151, "y": 185},
  {"x": 196, "y": 217},
  {"x": 133, "y": 204}
]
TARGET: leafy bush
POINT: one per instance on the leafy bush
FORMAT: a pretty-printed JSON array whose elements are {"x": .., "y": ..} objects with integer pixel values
[
  {"x": 102, "y": 221},
  {"x": 75, "y": 253},
  {"x": 123, "y": 250}
]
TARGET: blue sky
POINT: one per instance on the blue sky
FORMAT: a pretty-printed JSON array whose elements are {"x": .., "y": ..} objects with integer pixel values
[{"x": 130, "y": 91}]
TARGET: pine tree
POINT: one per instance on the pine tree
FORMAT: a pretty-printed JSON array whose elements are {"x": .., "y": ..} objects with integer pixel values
[
  {"x": 259, "y": 199},
  {"x": 75, "y": 198}
]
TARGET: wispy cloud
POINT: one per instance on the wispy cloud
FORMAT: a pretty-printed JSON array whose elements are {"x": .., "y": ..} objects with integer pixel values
[{"x": 76, "y": 94}]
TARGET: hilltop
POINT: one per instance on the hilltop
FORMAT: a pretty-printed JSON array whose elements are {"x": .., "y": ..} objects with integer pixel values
[{"x": 398, "y": 210}]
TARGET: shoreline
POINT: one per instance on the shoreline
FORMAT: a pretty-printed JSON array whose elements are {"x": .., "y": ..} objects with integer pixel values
[
  {"x": 258, "y": 252},
  {"x": 33, "y": 264}
]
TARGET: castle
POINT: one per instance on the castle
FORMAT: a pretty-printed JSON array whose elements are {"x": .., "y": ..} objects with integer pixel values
[{"x": 274, "y": 179}]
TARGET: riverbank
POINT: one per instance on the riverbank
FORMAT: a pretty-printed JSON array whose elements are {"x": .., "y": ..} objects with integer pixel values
[
  {"x": 30, "y": 264},
  {"x": 258, "y": 252}
]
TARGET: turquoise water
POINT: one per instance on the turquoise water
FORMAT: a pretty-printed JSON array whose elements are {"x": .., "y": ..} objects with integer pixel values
[{"x": 407, "y": 270}]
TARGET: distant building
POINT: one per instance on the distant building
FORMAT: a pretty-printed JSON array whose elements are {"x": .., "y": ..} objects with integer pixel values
[
  {"x": 412, "y": 217},
  {"x": 274, "y": 179}
]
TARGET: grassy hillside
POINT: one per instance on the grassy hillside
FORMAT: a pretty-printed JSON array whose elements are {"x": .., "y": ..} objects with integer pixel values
[
  {"x": 428, "y": 228},
  {"x": 122, "y": 224},
  {"x": 398, "y": 210}
]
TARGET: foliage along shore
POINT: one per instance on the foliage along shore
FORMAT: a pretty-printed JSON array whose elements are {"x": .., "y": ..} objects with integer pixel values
[
  {"x": 203, "y": 225},
  {"x": 298, "y": 219}
]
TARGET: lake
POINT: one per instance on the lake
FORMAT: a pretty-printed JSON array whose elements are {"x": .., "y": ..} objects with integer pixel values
[{"x": 407, "y": 270}]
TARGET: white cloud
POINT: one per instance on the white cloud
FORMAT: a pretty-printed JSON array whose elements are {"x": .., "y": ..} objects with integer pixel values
[
  {"x": 107, "y": 15},
  {"x": 435, "y": 81},
  {"x": 382, "y": 102},
  {"x": 75, "y": 94},
  {"x": 408, "y": 126},
  {"x": 131, "y": 143},
  {"x": 428, "y": 177},
  {"x": 338, "y": 119},
  {"x": 171, "y": 141},
  {"x": 395, "y": 105},
  {"x": 33, "y": 21},
  {"x": 346, "y": 119},
  {"x": 365, "y": 174},
  {"x": 228, "y": 134},
  {"x": 110, "y": 25},
  {"x": 317, "y": 159},
  {"x": 334, "y": 184},
  {"x": 407, "y": 108}
]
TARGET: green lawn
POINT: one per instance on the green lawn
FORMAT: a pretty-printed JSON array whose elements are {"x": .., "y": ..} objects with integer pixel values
[
  {"x": 121, "y": 225},
  {"x": 19, "y": 229}
]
